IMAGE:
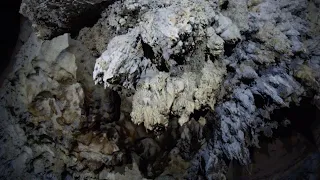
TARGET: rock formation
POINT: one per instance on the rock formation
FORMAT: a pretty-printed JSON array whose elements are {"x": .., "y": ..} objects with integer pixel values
[{"x": 180, "y": 89}]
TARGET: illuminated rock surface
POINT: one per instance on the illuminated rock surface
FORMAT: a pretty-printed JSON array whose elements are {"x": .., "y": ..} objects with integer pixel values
[{"x": 164, "y": 90}]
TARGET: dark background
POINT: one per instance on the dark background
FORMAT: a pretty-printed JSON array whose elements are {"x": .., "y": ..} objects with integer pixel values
[{"x": 10, "y": 23}]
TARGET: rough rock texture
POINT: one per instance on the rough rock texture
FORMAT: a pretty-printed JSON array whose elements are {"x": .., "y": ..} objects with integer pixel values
[
  {"x": 52, "y": 96},
  {"x": 190, "y": 89},
  {"x": 164, "y": 96},
  {"x": 258, "y": 80},
  {"x": 165, "y": 40},
  {"x": 161, "y": 39},
  {"x": 53, "y": 18}
]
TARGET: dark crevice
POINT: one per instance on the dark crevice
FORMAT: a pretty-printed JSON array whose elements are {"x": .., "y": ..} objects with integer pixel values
[
  {"x": 224, "y": 5},
  {"x": 147, "y": 50},
  {"x": 230, "y": 69},
  {"x": 199, "y": 113},
  {"x": 147, "y": 164},
  {"x": 65, "y": 173},
  {"x": 247, "y": 35},
  {"x": 152, "y": 167},
  {"x": 43, "y": 138},
  {"x": 158, "y": 129},
  {"x": 44, "y": 95},
  {"x": 259, "y": 100},
  {"x": 162, "y": 66},
  {"x": 148, "y": 53},
  {"x": 228, "y": 48},
  {"x": 247, "y": 81},
  {"x": 179, "y": 59},
  {"x": 116, "y": 103},
  {"x": 211, "y": 57}
]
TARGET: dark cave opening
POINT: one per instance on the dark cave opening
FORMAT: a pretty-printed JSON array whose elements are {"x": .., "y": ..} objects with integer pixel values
[
  {"x": 11, "y": 18},
  {"x": 303, "y": 118}
]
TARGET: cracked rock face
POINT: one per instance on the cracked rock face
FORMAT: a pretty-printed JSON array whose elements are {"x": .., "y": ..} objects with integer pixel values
[{"x": 181, "y": 89}]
